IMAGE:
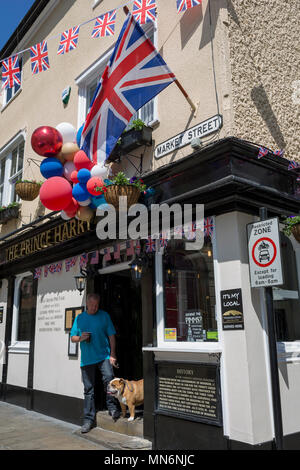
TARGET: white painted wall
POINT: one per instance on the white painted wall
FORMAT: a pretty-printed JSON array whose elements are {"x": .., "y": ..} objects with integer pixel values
[
  {"x": 54, "y": 371},
  {"x": 17, "y": 370},
  {"x": 3, "y": 303}
]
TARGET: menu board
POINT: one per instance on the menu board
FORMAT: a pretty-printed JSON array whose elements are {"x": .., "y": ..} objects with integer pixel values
[{"x": 190, "y": 391}]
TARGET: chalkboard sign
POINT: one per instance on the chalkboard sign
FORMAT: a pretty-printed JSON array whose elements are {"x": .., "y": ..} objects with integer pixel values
[
  {"x": 190, "y": 391},
  {"x": 232, "y": 309}
]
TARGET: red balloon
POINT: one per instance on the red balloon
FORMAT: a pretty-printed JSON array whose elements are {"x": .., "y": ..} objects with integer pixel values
[
  {"x": 81, "y": 160},
  {"x": 73, "y": 176},
  {"x": 92, "y": 184},
  {"x": 46, "y": 141},
  {"x": 72, "y": 208},
  {"x": 56, "y": 193}
]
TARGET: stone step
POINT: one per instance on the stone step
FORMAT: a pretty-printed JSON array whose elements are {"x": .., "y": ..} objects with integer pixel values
[
  {"x": 114, "y": 440},
  {"x": 122, "y": 425}
]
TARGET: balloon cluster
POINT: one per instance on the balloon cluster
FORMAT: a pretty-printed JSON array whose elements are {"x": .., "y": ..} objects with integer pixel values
[{"x": 74, "y": 184}]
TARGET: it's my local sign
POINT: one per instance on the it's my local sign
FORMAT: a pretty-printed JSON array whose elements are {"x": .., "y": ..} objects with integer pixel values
[
  {"x": 203, "y": 129},
  {"x": 264, "y": 253}
]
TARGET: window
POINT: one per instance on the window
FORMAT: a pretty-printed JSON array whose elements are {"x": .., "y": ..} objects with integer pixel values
[
  {"x": 11, "y": 168},
  {"x": 189, "y": 294},
  {"x": 88, "y": 81},
  {"x": 9, "y": 93},
  {"x": 286, "y": 297}
]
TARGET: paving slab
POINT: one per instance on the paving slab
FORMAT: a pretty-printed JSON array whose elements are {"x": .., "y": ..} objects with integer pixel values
[{"x": 116, "y": 441}]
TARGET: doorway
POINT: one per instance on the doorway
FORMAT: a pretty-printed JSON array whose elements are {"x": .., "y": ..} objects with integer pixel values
[{"x": 121, "y": 298}]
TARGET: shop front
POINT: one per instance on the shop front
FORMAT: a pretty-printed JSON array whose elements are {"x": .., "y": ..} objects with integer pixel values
[{"x": 206, "y": 372}]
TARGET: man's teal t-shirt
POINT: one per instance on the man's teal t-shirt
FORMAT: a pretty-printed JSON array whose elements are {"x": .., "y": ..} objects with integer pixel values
[{"x": 100, "y": 326}]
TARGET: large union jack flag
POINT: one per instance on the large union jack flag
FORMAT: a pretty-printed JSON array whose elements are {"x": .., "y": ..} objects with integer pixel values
[
  {"x": 105, "y": 25},
  {"x": 39, "y": 58},
  {"x": 69, "y": 40},
  {"x": 183, "y": 5},
  {"x": 11, "y": 72},
  {"x": 134, "y": 75},
  {"x": 144, "y": 11}
]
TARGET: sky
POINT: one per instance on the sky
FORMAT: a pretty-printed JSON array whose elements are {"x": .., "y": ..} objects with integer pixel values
[{"x": 11, "y": 13}]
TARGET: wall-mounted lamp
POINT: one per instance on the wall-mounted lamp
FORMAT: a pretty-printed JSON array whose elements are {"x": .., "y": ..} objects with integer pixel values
[
  {"x": 138, "y": 265},
  {"x": 88, "y": 272}
]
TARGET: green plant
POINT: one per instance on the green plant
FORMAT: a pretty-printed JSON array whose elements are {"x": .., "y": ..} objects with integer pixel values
[
  {"x": 30, "y": 181},
  {"x": 12, "y": 204},
  {"x": 289, "y": 224},
  {"x": 137, "y": 124},
  {"x": 121, "y": 180}
]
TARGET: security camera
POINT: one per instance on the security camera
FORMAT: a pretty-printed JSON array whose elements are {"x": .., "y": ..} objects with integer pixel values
[{"x": 196, "y": 143}]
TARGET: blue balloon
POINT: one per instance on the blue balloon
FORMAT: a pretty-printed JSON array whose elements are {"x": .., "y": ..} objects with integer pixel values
[
  {"x": 51, "y": 166},
  {"x": 83, "y": 175},
  {"x": 78, "y": 136},
  {"x": 80, "y": 193}
]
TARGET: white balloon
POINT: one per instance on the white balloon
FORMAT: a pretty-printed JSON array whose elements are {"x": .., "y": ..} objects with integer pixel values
[
  {"x": 99, "y": 171},
  {"x": 67, "y": 131},
  {"x": 64, "y": 216},
  {"x": 68, "y": 168},
  {"x": 85, "y": 203}
]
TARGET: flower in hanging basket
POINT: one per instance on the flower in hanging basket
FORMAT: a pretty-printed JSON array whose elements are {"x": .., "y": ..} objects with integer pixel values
[
  {"x": 292, "y": 226},
  {"x": 28, "y": 190},
  {"x": 119, "y": 186}
]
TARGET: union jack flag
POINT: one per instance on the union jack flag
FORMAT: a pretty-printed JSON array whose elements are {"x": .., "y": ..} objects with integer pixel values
[
  {"x": 83, "y": 260},
  {"x": 150, "y": 245},
  {"x": 94, "y": 257},
  {"x": 144, "y": 11},
  {"x": 105, "y": 25},
  {"x": 134, "y": 75},
  {"x": 117, "y": 253},
  {"x": 70, "y": 263},
  {"x": 138, "y": 247},
  {"x": 183, "y": 5},
  {"x": 293, "y": 165},
  {"x": 208, "y": 226},
  {"x": 11, "y": 72},
  {"x": 107, "y": 256},
  {"x": 55, "y": 268},
  {"x": 39, "y": 58},
  {"x": 37, "y": 273},
  {"x": 129, "y": 248},
  {"x": 69, "y": 40},
  {"x": 262, "y": 152},
  {"x": 278, "y": 153}
]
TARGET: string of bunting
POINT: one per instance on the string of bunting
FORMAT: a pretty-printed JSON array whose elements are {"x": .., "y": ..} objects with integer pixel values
[{"x": 144, "y": 11}]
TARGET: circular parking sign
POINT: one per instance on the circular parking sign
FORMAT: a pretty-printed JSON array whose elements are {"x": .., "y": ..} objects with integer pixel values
[{"x": 264, "y": 252}]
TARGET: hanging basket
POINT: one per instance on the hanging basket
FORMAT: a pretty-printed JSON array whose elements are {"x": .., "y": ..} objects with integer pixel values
[
  {"x": 27, "y": 191},
  {"x": 296, "y": 232},
  {"x": 114, "y": 191}
]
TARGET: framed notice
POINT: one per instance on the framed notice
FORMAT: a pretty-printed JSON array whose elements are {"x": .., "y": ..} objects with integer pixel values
[
  {"x": 72, "y": 348},
  {"x": 189, "y": 391},
  {"x": 70, "y": 315},
  {"x": 232, "y": 309}
]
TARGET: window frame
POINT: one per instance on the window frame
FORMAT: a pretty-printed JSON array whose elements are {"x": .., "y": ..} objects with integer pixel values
[
  {"x": 85, "y": 80},
  {"x": 19, "y": 347},
  {"x": 6, "y": 154},
  {"x": 184, "y": 346}
]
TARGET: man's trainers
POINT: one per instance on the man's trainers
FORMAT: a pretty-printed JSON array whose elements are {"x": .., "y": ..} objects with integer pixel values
[{"x": 87, "y": 427}]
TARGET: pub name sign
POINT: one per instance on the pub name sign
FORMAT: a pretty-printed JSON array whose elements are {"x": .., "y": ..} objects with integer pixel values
[{"x": 47, "y": 239}]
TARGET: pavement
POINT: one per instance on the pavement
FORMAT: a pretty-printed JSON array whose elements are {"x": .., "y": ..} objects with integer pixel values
[{"x": 22, "y": 429}]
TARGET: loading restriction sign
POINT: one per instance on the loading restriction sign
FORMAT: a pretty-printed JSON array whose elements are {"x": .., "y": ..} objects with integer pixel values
[{"x": 264, "y": 253}]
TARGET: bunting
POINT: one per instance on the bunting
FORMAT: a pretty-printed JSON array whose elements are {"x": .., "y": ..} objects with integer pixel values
[
  {"x": 70, "y": 263},
  {"x": 39, "y": 58},
  {"x": 105, "y": 25},
  {"x": 144, "y": 11},
  {"x": 68, "y": 41},
  {"x": 11, "y": 72},
  {"x": 183, "y": 5}
]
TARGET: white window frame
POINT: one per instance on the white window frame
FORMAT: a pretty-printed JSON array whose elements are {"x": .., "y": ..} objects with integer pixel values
[
  {"x": 183, "y": 346},
  {"x": 88, "y": 77},
  {"x": 19, "y": 347},
  {"x": 6, "y": 153}
]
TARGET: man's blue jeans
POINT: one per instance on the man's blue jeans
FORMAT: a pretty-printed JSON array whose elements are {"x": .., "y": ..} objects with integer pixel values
[{"x": 88, "y": 374}]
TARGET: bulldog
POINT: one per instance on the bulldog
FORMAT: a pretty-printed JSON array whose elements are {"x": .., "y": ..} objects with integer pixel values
[{"x": 129, "y": 393}]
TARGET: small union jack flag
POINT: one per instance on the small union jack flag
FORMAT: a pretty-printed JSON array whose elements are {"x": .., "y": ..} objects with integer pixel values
[
  {"x": 94, "y": 257},
  {"x": 262, "y": 152},
  {"x": 279, "y": 153},
  {"x": 107, "y": 255},
  {"x": 83, "y": 260},
  {"x": 70, "y": 263},
  {"x": 150, "y": 245},
  {"x": 55, "y": 268},
  {"x": 46, "y": 271},
  {"x": 129, "y": 248},
  {"x": 208, "y": 226},
  {"x": 69, "y": 40},
  {"x": 117, "y": 254},
  {"x": 163, "y": 242},
  {"x": 37, "y": 273},
  {"x": 39, "y": 58},
  {"x": 105, "y": 25},
  {"x": 11, "y": 72},
  {"x": 183, "y": 5},
  {"x": 144, "y": 11},
  {"x": 293, "y": 165}
]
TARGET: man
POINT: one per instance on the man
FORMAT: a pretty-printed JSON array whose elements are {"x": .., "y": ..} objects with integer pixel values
[{"x": 94, "y": 330}]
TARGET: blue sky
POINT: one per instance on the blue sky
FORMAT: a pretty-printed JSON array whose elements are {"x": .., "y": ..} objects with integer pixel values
[{"x": 11, "y": 13}]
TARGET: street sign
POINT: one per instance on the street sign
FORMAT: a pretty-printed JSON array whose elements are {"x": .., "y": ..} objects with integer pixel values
[{"x": 264, "y": 253}]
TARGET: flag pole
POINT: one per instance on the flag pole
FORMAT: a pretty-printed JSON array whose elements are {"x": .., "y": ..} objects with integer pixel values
[{"x": 192, "y": 105}]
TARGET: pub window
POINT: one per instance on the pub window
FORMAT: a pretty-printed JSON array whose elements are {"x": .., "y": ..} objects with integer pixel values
[
  {"x": 286, "y": 297},
  {"x": 11, "y": 169},
  {"x": 26, "y": 308},
  {"x": 189, "y": 294}
]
